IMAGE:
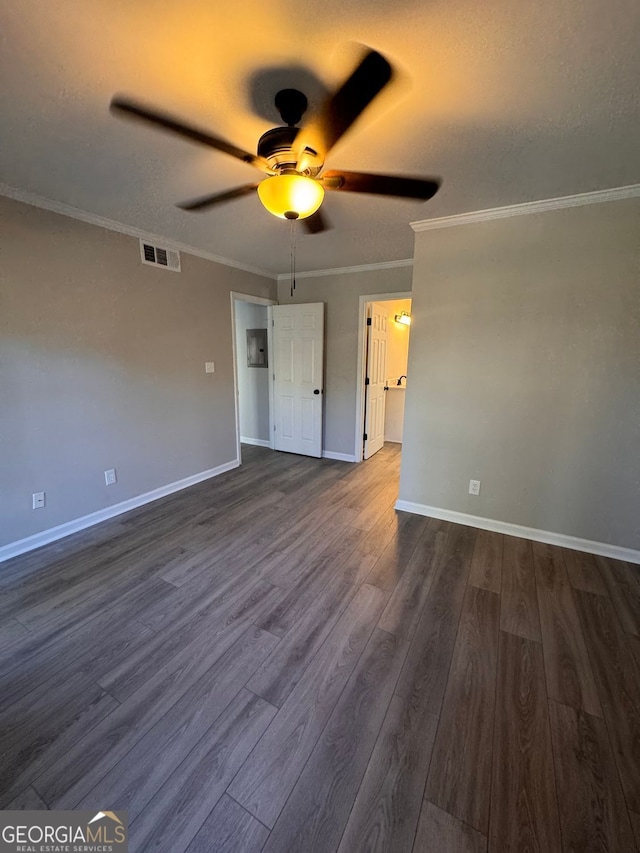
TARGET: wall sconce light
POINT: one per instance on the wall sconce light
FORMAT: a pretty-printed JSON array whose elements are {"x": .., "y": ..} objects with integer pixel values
[{"x": 404, "y": 318}]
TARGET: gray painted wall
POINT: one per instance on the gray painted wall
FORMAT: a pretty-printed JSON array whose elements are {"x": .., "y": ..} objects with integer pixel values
[
  {"x": 525, "y": 368},
  {"x": 102, "y": 365},
  {"x": 253, "y": 382},
  {"x": 341, "y": 293}
]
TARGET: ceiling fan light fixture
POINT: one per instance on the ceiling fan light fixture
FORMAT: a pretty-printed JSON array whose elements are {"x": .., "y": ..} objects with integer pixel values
[{"x": 287, "y": 195}]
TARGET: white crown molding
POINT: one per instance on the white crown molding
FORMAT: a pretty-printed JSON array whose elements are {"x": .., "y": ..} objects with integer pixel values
[
  {"x": 603, "y": 549},
  {"x": 616, "y": 194},
  {"x": 111, "y": 225},
  {"x": 383, "y": 265},
  {"x": 30, "y": 543}
]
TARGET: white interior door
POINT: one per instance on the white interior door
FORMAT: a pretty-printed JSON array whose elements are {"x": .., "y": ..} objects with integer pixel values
[
  {"x": 375, "y": 380},
  {"x": 298, "y": 343}
]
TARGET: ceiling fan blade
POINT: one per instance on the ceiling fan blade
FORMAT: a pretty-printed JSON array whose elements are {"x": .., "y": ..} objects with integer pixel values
[
  {"x": 217, "y": 198},
  {"x": 392, "y": 185},
  {"x": 130, "y": 109},
  {"x": 342, "y": 109},
  {"x": 316, "y": 223}
]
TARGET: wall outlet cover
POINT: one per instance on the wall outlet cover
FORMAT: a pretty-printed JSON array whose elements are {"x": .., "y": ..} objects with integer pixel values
[
  {"x": 474, "y": 487},
  {"x": 110, "y": 477}
]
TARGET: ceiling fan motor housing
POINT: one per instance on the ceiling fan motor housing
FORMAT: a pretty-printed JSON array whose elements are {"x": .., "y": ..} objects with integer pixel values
[{"x": 276, "y": 146}]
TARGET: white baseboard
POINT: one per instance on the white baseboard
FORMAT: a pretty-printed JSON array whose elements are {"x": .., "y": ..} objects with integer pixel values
[
  {"x": 256, "y": 442},
  {"x": 601, "y": 548},
  {"x": 30, "y": 543},
  {"x": 340, "y": 457}
]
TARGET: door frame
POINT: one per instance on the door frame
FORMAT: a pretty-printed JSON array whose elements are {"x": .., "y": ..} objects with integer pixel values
[
  {"x": 361, "y": 366},
  {"x": 256, "y": 300}
]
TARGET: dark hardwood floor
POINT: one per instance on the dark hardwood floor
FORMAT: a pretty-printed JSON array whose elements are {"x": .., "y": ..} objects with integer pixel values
[{"x": 278, "y": 660}]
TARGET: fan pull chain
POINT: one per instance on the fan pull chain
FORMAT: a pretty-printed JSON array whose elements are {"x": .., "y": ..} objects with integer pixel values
[{"x": 293, "y": 256}]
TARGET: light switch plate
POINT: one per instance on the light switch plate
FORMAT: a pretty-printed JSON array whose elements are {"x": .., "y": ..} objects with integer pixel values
[{"x": 209, "y": 367}]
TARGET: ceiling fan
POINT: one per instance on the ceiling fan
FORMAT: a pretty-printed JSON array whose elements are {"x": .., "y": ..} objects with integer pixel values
[{"x": 293, "y": 157}]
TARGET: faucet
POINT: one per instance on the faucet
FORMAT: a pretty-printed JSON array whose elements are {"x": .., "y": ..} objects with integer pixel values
[{"x": 404, "y": 376}]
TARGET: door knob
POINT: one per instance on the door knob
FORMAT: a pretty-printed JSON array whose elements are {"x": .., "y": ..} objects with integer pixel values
[{"x": 316, "y": 391}]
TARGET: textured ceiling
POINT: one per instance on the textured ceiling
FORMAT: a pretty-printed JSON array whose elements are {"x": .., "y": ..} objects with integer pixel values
[{"x": 507, "y": 102}]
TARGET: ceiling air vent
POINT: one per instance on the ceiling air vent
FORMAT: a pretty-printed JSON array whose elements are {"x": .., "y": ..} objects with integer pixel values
[{"x": 159, "y": 256}]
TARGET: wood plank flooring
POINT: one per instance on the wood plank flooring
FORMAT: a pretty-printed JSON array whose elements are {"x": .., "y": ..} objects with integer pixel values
[{"x": 276, "y": 660}]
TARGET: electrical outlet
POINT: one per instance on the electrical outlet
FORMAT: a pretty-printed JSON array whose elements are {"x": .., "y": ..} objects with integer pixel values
[
  {"x": 474, "y": 487},
  {"x": 209, "y": 367},
  {"x": 38, "y": 500},
  {"x": 110, "y": 477}
]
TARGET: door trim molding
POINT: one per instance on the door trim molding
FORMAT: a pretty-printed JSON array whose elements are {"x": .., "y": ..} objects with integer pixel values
[
  {"x": 360, "y": 368},
  {"x": 602, "y": 549}
]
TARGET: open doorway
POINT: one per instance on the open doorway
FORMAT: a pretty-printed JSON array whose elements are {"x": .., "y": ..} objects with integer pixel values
[
  {"x": 278, "y": 371},
  {"x": 252, "y": 357},
  {"x": 382, "y": 371}
]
